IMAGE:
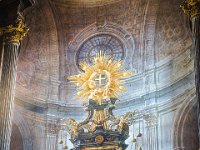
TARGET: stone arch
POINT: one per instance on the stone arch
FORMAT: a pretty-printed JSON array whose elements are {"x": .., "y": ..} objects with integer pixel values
[
  {"x": 109, "y": 28},
  {"x": 38, "y": 63},
  {"x": 184, "y": 131},
  {"x": 24, "y": 130},
  {"x": 16, "y": 142}
]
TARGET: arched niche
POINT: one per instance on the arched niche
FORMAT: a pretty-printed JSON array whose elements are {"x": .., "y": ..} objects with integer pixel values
[
  {"x": 21, "y": 133},
  {"x": 185, "y": 129}
]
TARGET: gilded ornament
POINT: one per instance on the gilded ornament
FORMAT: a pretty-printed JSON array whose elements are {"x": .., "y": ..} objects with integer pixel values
[
  {"x": 121, "y": 124},
  {"x": 191, "y": 8},
  {"x": 101, "y": 81},
  {"x": 14, "y": 33},
  {"x": 100, "y": 84},
  {"x": 73, "y": 126},
  {"x": 99, "y": 139}
]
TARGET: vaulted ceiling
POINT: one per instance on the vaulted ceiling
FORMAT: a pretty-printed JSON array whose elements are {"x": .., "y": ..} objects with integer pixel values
[{"x": 154, "y": 33}]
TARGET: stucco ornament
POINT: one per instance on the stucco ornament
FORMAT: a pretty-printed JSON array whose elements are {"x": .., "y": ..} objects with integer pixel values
[{"x": 102, "y": 80}]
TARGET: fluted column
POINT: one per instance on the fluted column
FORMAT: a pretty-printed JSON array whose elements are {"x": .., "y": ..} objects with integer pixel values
[
  {"x": 151, "y": 141},
  {"x": 11, "y": 36},
  {"x": 192, "y": 9}
]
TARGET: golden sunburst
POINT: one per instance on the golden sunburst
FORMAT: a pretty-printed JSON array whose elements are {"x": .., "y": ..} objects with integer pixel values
[{"x": 102, "y": 80}]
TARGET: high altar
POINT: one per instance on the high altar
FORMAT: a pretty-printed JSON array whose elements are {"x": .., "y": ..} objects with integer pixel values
[{"x": 100, "y": 85}]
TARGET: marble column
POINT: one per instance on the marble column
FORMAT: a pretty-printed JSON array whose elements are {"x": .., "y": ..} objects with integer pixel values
[
  {"x": 1, "y": 56},
  {"x": 151, "y": 141},
  {"x": 11, "y": 36},
  {"x": 192, "y": 9}
]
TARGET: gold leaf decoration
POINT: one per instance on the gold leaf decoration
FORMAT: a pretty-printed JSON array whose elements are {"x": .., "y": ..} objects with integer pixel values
[
  {"x": 14, "y": 33},
  {"x": 102, "y": 80}
]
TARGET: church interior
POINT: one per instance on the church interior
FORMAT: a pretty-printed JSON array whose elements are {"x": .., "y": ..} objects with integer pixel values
[{"x": 47, "y": 45}]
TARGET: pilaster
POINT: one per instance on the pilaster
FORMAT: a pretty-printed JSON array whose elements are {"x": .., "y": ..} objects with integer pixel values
[
  {"x": 151, "y": 140},
  {"x": 51, "y": 135}
]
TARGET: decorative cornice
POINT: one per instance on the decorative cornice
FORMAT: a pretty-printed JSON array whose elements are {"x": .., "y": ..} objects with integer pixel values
[
  {"x": 14, "y": 33},
  {"x": 85, "y": 3},
  {"x": 191, "y": 8}
]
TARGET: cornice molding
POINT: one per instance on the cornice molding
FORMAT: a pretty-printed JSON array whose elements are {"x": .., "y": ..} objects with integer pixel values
[
  {"x": 63, "y": 108},
  {"x": 85, "y": 3}
]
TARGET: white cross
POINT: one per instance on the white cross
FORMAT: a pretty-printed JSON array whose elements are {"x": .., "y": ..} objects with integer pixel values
[{"x": 100, "y": 78}]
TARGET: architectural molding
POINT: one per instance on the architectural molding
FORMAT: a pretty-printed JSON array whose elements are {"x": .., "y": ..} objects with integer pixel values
[
  {"x": 108, "y": 28},
  {"x": 24, "y": 129},
  {"x": 179, "y": 122},
  {"x": 149, "y": 29},
  {"x": 86, "y": 3}
]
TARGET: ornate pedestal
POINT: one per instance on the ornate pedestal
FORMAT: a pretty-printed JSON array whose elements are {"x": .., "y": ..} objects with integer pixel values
[
  {"x": 100, "y": 84},
  {"x": 101, "y": 130}
]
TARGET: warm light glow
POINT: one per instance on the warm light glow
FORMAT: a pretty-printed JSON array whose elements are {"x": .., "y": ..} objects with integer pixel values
[{"x": 102, "y": 80}]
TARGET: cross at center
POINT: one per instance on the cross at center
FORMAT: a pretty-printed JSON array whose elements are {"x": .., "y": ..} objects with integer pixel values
[{"x": 101, "y": 80}]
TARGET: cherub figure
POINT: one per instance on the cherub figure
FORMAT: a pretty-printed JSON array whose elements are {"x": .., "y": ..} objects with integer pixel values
[
  {"x": 121, "y": 123},
  {"x": 72, "y": 125}
]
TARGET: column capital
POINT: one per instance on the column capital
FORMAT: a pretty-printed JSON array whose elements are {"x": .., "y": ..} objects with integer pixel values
[
  {"x": 150, "y": 119},
  {"x": 191, "y": 8},
  {"x": 52, "y": 128},
  {"x": 14, "y": 33}
]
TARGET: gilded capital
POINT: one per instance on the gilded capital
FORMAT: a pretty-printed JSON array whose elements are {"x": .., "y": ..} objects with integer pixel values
[
  {"x": 191, "y": 8},
  {"x": 14, "y": 33}
]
